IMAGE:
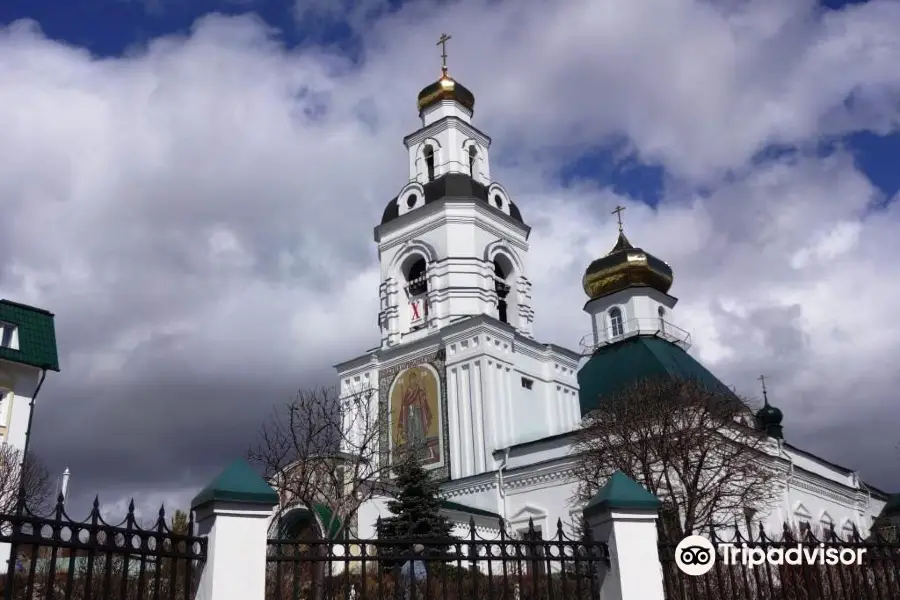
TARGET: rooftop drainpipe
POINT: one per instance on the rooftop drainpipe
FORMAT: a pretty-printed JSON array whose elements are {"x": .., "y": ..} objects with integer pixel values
[
  {"x": 788, "y": 478},
  {"x": 500, "y": 486},
  {"x": 20, "y": 501}
]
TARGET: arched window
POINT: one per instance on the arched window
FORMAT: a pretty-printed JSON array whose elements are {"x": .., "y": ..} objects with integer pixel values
[
  {"x": 429, "y": 162},
  {"x": 502, "y": 289},
  {"x": 615, "y": 322},
  {"x": 662, "y": 319},
  {"x": 416, "y": 282},
  {"x": 473, "y": 154}
]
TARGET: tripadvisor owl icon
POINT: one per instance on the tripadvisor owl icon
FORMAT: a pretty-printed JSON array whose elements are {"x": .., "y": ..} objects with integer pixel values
[{"x": 695, "y": 555}]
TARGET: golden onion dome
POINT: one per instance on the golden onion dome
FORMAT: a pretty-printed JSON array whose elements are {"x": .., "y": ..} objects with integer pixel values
[
  {"x": 445, "y": 88},
  {"x": 625, "y": 266}
]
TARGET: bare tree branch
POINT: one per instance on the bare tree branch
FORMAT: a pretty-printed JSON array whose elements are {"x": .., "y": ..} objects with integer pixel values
[
  {"x": 322, "y": 449},
  {"x": 694, "y": 448},
  {"x": 36, "y": 480}
]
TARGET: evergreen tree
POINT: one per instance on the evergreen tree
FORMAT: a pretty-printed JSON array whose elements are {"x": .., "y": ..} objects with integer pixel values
[{"x": 416, "y": 508}]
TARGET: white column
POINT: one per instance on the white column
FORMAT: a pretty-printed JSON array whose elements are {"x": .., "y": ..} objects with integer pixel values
[
  {"x": 623, "y": 515},
  {"x": 233, "y": 514},
  {"x": 235, "y": 567}
]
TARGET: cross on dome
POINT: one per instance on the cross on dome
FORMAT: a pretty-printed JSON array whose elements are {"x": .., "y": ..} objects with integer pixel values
[
  {"x": 618, "y": 212},
  {"x": 442, "y": 42}
]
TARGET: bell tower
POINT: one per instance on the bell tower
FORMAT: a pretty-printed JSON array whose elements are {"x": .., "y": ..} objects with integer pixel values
[{"x": 451, "y": 244}]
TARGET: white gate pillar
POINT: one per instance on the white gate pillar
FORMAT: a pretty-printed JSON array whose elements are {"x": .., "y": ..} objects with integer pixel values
[
  {"x": 233, "y": 513},
  {"x": 623, "y": 515}
]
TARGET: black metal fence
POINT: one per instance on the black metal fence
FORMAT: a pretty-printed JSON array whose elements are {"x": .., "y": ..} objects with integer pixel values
[
  {"x": 473, "y": 567},
  {"x": 827, "y": 567},
  {"x": 57, "y": 558}
]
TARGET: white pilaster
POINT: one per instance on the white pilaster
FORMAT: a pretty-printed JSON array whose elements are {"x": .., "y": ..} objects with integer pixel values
[
  {"x": 235, "y": 567},
  {"x": 623, "y": 515}
]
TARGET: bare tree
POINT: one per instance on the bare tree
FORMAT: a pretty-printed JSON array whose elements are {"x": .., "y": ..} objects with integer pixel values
[
  {"x": 323, "y": 449},
  {"x": 697, "y": 449},
  {"x": 36, "y": 480}
]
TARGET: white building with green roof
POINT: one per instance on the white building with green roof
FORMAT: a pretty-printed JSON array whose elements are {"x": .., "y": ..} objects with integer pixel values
[{"x": 27, "y": 352}]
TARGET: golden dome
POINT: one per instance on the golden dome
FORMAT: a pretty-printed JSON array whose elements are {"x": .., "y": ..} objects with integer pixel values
[
  {"x": 446, "y": 88},
  {"x": 625, "y": 266}
]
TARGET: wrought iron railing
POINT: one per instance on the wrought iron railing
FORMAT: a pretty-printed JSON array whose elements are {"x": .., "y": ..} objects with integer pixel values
[
  {"x": 56, "y": 557},
  {"x": 874, "y": 576},
  {"x": 620, "y": 330},
  {"x": 460, "y": 568}
]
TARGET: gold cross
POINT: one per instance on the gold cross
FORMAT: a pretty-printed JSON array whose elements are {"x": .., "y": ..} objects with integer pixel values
[
  {"x": 618, "y": 213},
  {"x": 443, "y": 44}
]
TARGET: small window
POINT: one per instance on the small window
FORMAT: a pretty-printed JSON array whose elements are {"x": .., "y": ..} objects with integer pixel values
[
  {"x": 411, "y": 200},
  {"x": 8, "y": 337},
  {"x": 429, "y": 162},
  {"x": 804, "y": 529},
  {"x": 473, "y": 154},
  {"x": 615, "y": 322},
  {"x": 662, "y": 319},
  {"x": 527, "y": 383},
  {"x": 498, "y": 200}
]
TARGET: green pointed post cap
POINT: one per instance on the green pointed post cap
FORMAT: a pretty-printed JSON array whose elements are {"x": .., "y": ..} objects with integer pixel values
[
  {"x": 623, "y": 493},
  {"x": 237, "y": 483}
]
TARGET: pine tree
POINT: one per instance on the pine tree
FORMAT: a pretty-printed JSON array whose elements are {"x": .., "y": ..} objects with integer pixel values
[{"x": 416, "y": 508}]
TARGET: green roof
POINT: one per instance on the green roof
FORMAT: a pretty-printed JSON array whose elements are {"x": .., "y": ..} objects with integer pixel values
[
  {"x": 622, "y": 492},
  {"x": 37, "y": 336},
  {"x": 615, "y": 366},
  {"x": 478, "y": 512},
  {"x": 292, "y": 522},
  {"x": 237, "y": 483}
]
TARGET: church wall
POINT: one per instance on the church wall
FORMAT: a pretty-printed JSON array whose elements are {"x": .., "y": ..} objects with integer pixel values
[
  {"x": 367, "y": 517},
  {"x": 543, "y": 494},
  {"x": 494, "y": 409}
]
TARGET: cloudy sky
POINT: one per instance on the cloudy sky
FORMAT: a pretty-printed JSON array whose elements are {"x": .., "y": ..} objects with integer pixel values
[{"x": 191, "y": 187}]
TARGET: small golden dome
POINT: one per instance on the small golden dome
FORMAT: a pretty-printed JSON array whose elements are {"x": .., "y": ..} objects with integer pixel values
[
  {"x": 446, "y": 88},
  {"x": 625, "y": 266}
]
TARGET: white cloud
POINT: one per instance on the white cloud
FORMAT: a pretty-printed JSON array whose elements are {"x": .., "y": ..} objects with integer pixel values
[{"x": 203, "y": 209}]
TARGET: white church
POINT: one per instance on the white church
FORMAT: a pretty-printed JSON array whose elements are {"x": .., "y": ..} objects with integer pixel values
[{"x": 459, "y": 371}]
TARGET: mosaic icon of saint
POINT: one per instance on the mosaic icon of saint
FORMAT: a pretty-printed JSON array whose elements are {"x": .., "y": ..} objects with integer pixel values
[{"x": 415, "y": 414}]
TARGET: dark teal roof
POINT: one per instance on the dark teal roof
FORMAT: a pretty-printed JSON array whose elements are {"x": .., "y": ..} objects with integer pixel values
[
  {"x": 892, "y": 507},
  {"x": 237, "y": 483},
  {"x": 293, "y": 521},
  {"x": 622, "y": 492},
  {"x": 37, "y": 336},
  {"x": 617, "y": 365},
  {"x": 478, "y": 512}
]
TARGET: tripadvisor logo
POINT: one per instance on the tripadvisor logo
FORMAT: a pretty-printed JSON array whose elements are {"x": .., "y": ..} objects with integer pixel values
[{"x": 695, "y": 555}]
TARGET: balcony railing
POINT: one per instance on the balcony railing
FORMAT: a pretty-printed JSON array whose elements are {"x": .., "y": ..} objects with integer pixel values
[{"x": 632, "y": 327}]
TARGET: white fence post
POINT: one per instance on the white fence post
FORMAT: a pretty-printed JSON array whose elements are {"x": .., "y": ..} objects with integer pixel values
[
  {"x": 623, "y": 515},
  {"x": 233, "y": 513}
]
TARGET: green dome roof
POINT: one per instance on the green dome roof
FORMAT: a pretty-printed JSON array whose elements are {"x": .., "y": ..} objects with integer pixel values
[
  {"x": 615, "y": 366},
  {"x": 769, "y": 415}
]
